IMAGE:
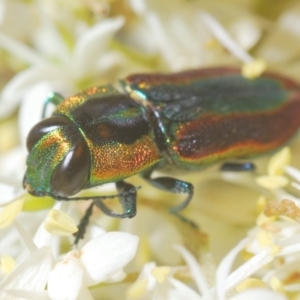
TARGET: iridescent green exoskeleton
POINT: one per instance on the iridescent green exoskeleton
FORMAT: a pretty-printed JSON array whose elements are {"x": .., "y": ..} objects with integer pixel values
[{"x": 185, "y": 120}]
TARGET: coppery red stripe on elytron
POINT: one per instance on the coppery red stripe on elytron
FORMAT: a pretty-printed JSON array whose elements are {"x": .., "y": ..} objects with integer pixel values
[{"x": 213, "y": 134}]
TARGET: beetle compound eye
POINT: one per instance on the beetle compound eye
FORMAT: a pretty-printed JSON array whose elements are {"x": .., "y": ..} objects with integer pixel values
[
  {"x": 72, "y": 174},
  {"x": 43, "y": 127}
]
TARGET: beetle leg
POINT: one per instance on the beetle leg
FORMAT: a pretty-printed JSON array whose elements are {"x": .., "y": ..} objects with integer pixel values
[
  {"x": 84, "y": 221},
  {"x": 238, "y": 167},
  {"x": 53, "y": 98},
  {"x": 127, "y": 198},
  {"x": 175, "y": 186}
]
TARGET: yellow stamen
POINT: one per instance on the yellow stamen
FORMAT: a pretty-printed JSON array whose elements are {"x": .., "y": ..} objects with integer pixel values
[
  {"x": 160, "y": 273},
  {"x": 254, "y": 69},
  {"x": 7, "y": 264},
  {"x": 9, "y": 212},
  {"x": 60, "y": 223},
  {"x": 277, "y": 285},
  {"x": 250, "y": 283},
  {"x": 137, "y": 289},
  {"x": 279, "y": 161},
  {"x": 272, "y": 182}
]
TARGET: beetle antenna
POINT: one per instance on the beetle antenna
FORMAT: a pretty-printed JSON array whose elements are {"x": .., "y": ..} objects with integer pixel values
[{"x": 97, "y": 198}]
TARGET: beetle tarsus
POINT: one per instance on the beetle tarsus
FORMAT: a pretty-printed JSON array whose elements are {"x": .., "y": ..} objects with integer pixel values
[
  {"x": 127, "y": 196},
  {"x": 172, "y": 185},
  {"x": 83, "y": 224}
]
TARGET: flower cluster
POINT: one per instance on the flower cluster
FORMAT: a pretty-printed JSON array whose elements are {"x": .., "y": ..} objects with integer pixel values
[{"x": 248, "y": 243}]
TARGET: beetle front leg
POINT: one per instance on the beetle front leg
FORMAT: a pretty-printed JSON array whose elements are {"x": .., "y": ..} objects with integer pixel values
[
  {"x": 175, "y": 186},
  {"x": 84, "y": 221},
  {"x": 127, "y": 198},
  {"x": 53, "y": 98}
]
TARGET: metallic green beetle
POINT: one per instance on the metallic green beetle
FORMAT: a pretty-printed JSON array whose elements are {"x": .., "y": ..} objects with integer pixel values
[{"x": 185, "y": 120}]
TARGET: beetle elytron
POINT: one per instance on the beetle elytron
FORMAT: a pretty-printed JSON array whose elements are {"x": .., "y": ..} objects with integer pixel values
[{"x": 184, "y": 120}]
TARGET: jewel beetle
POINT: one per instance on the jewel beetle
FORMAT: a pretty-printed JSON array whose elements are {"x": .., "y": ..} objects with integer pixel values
[{"x": 187, "y": 120}]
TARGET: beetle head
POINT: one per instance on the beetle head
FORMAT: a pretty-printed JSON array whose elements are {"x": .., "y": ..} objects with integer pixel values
[{"x": 58, "y": 163}]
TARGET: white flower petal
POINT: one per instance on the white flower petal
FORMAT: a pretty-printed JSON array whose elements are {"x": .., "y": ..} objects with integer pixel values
[
  {"x": 224, "y": 38},
  {"x": 2, "y": 11},
  {"x": 17, "y": 48},
  {"x": 290, "y": 21},
  {"x": 9, "y": 193},
  {"x": 138, "y": 6},
  {"x": 29, "y": 295},
  {"x": 250, "y": 267},
  {"x": 105, "y": 255},
  {"x": 84, "y": 293},
  {"x": 26, "y": 236},
  {"x": 145, "y": 282},
  {"x": 31, "y": 108},
  {"x": 294, "y": 248},
  {"x": 153, "y": 236},
  {"x": 168, "y": 48},
  {"x": 91, "y": 45},
  {"x": 259, "y": 294},
  {"x": 12, "y": 166},
  {"x": 49, "y": 41},
  {"x": 225, "y": 266},
  {"x": 66, "y": 279},
  {"x": 15, "y": 90},
  {"x": 118, "y": 276},
  {"x": 195, "y": 269},
  {"x": 19, "y": 20},
  {"x": 295, "y": 173},
  {"x": 184, "y": 290},
  {"x": 31, "y": 274},
  {"x": 172, "y": 26},
  {"x": 246, "y": 32}
]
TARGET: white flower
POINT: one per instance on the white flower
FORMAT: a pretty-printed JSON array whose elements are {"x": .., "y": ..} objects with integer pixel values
[
  {"x": 176, "y": 30},
  {"x": 185, "y": 46},
  {"x": 65, "y": 55},
  {"x": 53, "y": 63},
  {"x": 9, "y": 193},
  {"x": 2, "y": 11},
  {"x": 225, "y": 279},
  {"x": 29, "y": 277},
  {"x": 96, "y": 262}
]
